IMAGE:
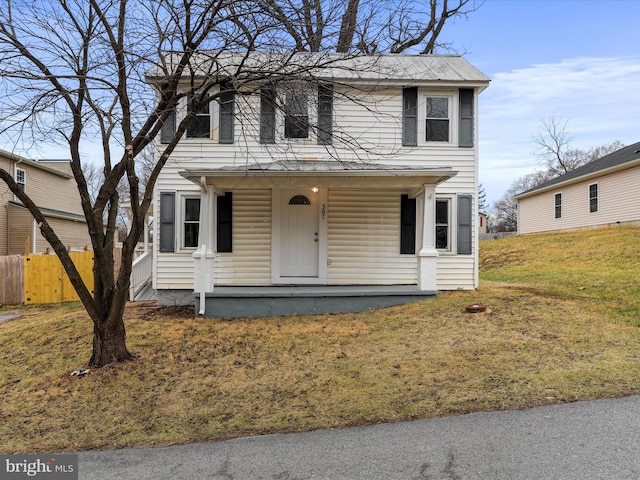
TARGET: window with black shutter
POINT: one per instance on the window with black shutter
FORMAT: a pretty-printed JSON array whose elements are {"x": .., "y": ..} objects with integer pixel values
[
  {"x": 465, "y": 128},
  {"x": 167, "y": 221},
  {"x": 410, "y": 116},
  {"x": 325, "y": 115},
  {"x": 267, "y": 115},
  {"x": 227, "y": 114},
  {"x": 225, "y": 222},
  {"x": 407, "y": 224},
  {"x": 464, "y": 224}
]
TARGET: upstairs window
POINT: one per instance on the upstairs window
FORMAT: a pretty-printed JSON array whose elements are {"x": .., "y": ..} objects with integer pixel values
[
  {"x": 438, "y": 121},
  {"x": 558, "y": 205},
  {"x": 593, "y": 198},
  {"x": 295, "y": 112},
  {"x": 200, "y": 124},
  {"x": 296, "y": 119},
  {"x": 438, "y": 116},
  {"x": 21, "y": 179}
]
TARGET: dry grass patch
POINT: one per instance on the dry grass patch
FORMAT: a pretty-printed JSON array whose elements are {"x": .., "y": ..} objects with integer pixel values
[{"x": 207, "y": 379}]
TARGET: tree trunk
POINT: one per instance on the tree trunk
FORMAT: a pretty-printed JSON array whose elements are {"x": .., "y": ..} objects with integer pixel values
[{"x": 109, "y": 342}]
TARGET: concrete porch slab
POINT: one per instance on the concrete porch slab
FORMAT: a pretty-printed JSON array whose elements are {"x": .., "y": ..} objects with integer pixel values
[{"x": 258, "y": 302}]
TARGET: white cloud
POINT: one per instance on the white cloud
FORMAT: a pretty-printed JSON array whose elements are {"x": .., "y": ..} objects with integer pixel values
[{"x": 600, "y": 98}]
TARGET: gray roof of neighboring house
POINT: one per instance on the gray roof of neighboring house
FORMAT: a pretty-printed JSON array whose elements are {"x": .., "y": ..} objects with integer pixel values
[
  {"x": 391, "y": 68},
  {"x": 50, "y": 212},
  {"x": 616, "y": 159},
  {"x": 34, "y": 163}
]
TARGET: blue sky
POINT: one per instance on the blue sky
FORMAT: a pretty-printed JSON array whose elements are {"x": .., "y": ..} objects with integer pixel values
[{"x": 578, "y": 60}]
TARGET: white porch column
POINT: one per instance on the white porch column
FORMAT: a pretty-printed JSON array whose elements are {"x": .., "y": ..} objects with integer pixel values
[
  {"x": 204, "y": 256},
  {"x": 427, "y": 254}
]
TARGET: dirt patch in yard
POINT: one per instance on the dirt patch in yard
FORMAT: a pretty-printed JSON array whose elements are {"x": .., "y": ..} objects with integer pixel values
[{"x": 150, "y": 310}]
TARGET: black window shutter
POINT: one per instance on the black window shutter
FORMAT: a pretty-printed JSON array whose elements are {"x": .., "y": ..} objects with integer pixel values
[
  {"x": 407, "y": 224},
  {"x": 464, "y": 225},
  {"x": 465, "y": 128},
  {"x": 224, "y": 223},
  {"x": 267, "y": 116},
  {"x": 167, "y": 221},
  {"x": 325, "y": 115},
  {"x": 227, "y": 111},
  {"x": 168, "y": 129},
  {"x": 410, "y": 116}
]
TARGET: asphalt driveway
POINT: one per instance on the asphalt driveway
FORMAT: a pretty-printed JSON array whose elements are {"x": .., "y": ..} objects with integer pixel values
[{"x": 581, "y": 441}]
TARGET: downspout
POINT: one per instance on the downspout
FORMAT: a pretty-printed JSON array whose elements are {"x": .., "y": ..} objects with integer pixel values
[
  {"x": 34, "y": 233},
  {"x": 6, "y": 207}
]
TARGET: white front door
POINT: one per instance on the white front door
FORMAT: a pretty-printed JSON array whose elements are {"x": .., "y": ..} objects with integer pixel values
[{"x": 299, "y": 240}]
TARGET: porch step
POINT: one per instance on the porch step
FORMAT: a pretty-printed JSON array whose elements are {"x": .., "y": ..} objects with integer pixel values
[
  {"x": 257, "y": 302},
  {"x": 146, "y": 293}
]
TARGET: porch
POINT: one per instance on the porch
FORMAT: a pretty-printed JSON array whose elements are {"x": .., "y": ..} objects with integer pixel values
[{"x": 267, "y": 301}]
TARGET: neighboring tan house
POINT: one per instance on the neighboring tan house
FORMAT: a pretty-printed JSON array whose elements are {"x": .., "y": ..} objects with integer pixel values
[
  {"x": 51, "y": 186},
  {"x": 603, "y": 192},
  {"x": 360, "y": 192}
]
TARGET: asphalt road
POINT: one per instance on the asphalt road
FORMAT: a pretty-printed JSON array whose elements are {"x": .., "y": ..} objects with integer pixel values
[{"x": 581, "y": 441}]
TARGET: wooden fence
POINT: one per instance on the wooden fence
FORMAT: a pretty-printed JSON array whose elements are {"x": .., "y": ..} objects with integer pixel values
[
  {"x": 41, "y": 278},
  {"x": 11, "y": 280},
  {"x": 45, "y": 281}
]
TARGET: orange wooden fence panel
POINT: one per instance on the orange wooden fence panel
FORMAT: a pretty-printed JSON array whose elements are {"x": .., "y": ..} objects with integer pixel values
[{"x": 45, "y": 281}]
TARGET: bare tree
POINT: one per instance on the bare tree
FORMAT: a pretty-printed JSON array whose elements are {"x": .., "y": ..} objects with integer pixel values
[
  {"x": 505, "y": 210},
  {"x": 367, "y": 26},
  {"x": 554, "y": 150},
  {"x": 75, "y": 70},
  {"x": 557, "y": 156}
]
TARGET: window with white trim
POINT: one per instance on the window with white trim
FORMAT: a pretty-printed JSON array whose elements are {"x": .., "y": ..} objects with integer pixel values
[
  {"x": 593, "y": 198},
  {"x": 200, "y": 124},
  {"x": 438, "y": 119},
  {"x": 558, "y": 205},
  {"x": 296, "y": 115},
  {"x": 21, "y": 179},
  {"x": 296, "y": 112},
  {"x": 190, "y": 222},
  {"x": 443, "y": 224}
]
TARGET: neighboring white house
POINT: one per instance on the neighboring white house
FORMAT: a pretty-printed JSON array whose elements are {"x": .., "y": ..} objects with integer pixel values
[
  {"x": 356, "y": 188},
  {"x": 603, "y": 192}
]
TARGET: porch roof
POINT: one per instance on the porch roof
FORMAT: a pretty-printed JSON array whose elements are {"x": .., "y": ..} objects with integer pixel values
[{"x": 313, "y": 173}]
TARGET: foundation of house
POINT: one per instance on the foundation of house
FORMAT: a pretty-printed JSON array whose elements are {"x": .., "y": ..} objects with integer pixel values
[{"x": 257, "y": 302}]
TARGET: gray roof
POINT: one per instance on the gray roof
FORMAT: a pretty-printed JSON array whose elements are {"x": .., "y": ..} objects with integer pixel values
[
  {"x": 391, "y": 68},
  {"x": 294, "y": 172},
  {"x": 616, "y": 159}
]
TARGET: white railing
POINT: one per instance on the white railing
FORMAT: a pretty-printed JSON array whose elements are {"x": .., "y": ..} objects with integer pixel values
[{"x": 140, "y": 273}]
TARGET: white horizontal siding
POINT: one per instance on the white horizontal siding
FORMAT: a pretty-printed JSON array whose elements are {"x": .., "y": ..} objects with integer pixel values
[
  {"x": 618, "y": 201},
  {"x": 456, "y": 272},
  {"x": 364, "y": 239},
  {"x": 250, "y": 261}
]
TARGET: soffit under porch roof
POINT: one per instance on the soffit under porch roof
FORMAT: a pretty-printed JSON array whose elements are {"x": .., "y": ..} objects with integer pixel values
[{"x": 313, "y": 173}]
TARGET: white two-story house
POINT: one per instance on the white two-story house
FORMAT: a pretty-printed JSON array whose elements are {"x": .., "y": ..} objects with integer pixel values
[{"x": 349, "y": 188}]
